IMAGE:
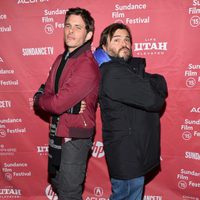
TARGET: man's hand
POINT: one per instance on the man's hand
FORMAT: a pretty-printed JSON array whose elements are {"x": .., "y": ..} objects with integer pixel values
[
  {"x": 83, "y": 106},
  {"x": 37, "y": 96}
]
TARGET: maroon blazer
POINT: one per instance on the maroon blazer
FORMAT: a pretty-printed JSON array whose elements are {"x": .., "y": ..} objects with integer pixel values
[{"x": 79, "y": 81}]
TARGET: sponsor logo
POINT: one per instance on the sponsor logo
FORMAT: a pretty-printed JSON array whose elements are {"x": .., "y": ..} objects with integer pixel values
[
  {"x": 192, "y": 173},
  {"x": 2, "y": 133},
  {"x": 190, "y": 82},
  {"x": 49, "y": 29},
  {"x": 182, "y": 184},
  {"x": 10, "y": 193},
  {"x": 98, "y": 191},
  {"x": 152, "y": 197},
  {"x": 3, "y": 16},
  {"x": 15, "y": 169},
  {"x": 193, "y": 122},
  {"x": 6, "y": 151},
  {"x": 7, "y": 71},
  {"x": 31, "y": 1},
  {"x": 42, "y": 150},
  {"x": 186, "y": 135},
  {"x": 195, "y": 21},
  {"x": 39, "y": 51},
  {"x": 5, "y": 28},
  {"x": 190, "y": 197},
  {"x": 120, "y": 16},
  {"x": 192, "y": 155},
  {"x": 131, "y": 7},
  {"x": 98, "y": 151},
  {"x": 97, "y": 194},
  {"x": 55, "y": 12},
  {"x": 10, "y": 121},
  {"x": 5, "y": 104},
  {"x": 9, "y": 83},
  {"x": 50, "y": 194},
  {"x": 8, "y": 176},
  {"x": 195, "y": 110},
  {"x": 150, "y": 47}
]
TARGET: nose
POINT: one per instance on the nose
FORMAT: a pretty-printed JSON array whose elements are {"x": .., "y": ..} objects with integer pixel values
[
  {"x": 70, "y": 29},
  {"x": 123, "y": 43}
]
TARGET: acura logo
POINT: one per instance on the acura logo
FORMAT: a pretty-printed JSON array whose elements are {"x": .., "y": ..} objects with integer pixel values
[{"x": 98, "y": 191}]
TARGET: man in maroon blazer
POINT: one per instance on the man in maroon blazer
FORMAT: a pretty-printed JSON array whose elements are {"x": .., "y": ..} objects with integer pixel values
[{"x": 74, "y": 77}]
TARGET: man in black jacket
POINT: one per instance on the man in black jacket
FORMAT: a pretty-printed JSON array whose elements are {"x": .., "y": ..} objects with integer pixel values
[{"x": 131, "y": 101}]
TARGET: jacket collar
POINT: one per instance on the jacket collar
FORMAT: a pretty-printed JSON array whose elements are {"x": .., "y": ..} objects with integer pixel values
[{"x": 86, "y": 46}]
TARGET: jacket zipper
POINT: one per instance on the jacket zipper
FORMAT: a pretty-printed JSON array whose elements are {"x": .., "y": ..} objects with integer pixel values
[{"x": 85, "y": 124}]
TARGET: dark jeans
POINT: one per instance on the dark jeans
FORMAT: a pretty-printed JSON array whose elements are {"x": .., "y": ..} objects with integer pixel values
[{"x": 70, "y": 178}]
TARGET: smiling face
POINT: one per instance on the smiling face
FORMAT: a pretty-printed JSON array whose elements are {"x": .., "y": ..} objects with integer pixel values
[
  {"x": 119, "y": 45},
  {"x": 75, "y": 33}
]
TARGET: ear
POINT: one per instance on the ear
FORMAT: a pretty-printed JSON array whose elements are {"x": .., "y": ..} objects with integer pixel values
[
  {"x": 89, "y": 36},
  {"x": 104, "y": 48}
]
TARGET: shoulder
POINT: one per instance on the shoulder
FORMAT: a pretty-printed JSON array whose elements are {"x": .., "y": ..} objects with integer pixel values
[{"x": 138, "y": 60}]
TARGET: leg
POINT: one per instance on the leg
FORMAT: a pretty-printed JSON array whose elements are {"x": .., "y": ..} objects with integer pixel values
[
  {"x": 136, "y": 187},
  {"x": 127, "y": 189},
  {"x": 73, "y": 169}
]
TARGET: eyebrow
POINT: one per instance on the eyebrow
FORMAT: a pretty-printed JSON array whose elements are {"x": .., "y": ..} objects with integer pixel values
[{"x": 120, "y": 36}]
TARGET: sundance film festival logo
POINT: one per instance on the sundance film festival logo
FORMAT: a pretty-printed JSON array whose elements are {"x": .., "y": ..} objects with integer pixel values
[
  {"x": 150, "y": 47},
  {"x": 49, "y": 29},
  {"x": 190, "y": 82},
  {"x": 195, "y": 21},
  {"x": 182, "y": 184},
  {"x": 8, "y": 176},
  {"x": 186, "y": 135},
  {"x": 51, "y": 195},
  {"x": 2, "y": 133},
  {"x": 98, "y": 151}
]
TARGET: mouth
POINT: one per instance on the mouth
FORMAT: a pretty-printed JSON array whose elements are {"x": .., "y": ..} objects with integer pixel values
[{"x": 124, "y": 50}]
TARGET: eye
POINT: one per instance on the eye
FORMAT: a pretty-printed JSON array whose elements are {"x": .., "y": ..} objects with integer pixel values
[
  {"x": 116, "y": 40},
  {"x": 67, "y": 26},
  {"x": 78, "y": 27}
]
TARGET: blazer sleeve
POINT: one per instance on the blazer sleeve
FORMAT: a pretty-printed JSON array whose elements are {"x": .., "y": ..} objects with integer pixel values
[
  {"x": 82, "y": 82},
  {"x": 122, "y": 85}
]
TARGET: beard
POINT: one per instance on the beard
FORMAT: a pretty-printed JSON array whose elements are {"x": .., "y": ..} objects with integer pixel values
[{"x": 124, "y": 53}]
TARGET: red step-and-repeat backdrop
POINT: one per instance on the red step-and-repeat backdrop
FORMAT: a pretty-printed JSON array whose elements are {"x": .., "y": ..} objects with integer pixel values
[{"x": 166, "y": 33}]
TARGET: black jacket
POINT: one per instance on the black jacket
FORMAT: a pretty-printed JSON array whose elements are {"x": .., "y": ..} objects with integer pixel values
[{"x": 131, "y": 101}]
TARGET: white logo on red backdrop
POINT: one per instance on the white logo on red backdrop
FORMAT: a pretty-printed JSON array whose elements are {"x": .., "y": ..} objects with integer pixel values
[
  {"x": 49, "y": 29},
  {"x": 31, "y": 1},
  {"x": 195, "y": 110},
  {"x": 182, "y": 185},
  {"x": 186, "y": 135},
  {"x": 98, "y": 151},
  {"x": 98, "y": 191},
  {"x": 51, "y": 195},
  {"x": 151, "y": 46},
  {"x": 43, "y": 150},
  {"x": 2, "y": 133},
  {"x": 8, "y": 176},
  {"x": 190, "y": 82},
  {"x": 195, "y": 21}
]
